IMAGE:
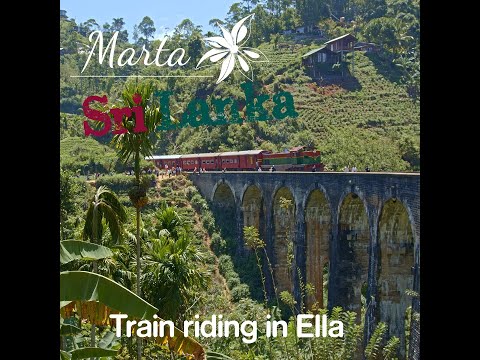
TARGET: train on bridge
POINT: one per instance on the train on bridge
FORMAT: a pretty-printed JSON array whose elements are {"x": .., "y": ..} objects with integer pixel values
[{"x": 299, "y": 158}]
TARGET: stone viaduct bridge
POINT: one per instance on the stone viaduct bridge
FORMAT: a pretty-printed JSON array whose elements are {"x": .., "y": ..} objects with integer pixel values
[{"x": 362, "y": 229}]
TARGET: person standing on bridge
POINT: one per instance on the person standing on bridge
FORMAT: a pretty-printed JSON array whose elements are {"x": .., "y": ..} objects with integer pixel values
[
  {"x": 354, "y": 168},
  {"x": 346, "y": 169},
  {"x": 314, "y": 168}
]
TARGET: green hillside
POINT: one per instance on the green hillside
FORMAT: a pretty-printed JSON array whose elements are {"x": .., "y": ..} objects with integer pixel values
[
  {"x": 368, "y": 117},
  {"x": 365, "y": 119}
]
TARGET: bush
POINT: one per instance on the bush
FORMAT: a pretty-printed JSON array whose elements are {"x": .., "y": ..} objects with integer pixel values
[
  {"x": 116, "y": 183},
  {"x": 225, "y": 264},
  {"x": 208, "y": 222},
  {"x": 166, "y": 191},
  {"x": 230, "y": 274},
  {"x": 209, "y": 258},
  {"x": 190, "y": 191},
  {"x": 199, "y": 203},
  {"x": 233, "y": 282},
  {"x": 218, "y": 244},
  {"x": 240, "y": 292}
]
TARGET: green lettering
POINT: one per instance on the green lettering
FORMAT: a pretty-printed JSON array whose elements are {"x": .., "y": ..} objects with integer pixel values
[
  {"x": 166, "y": 123},
  {"x": 221, "y": 111},
  {"x": 197, "y": 113},
  {"x": 282, "y": 109},
  {"x": 254, "y": 105}
]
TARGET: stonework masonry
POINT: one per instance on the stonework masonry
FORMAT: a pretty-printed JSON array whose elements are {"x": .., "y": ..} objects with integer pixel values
[{"x": 364, "y": 228}]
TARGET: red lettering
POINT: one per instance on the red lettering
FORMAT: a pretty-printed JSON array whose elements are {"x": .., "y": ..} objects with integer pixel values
[
  {"x": 96, "y": 115},
  {"x": 118, "y": 118},
  {"x": 139, "y": 119},
  {"x": 118, "y": 115}
]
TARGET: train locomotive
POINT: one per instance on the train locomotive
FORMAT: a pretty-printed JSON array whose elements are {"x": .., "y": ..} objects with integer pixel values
[{"x": 299, "y": 158}]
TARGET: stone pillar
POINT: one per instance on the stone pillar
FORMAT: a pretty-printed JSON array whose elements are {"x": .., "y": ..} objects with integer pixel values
[
  {"x": 371, "y": 315},
  {"x": 414, "y": 348},
  {"x": 299, "y": 248},
  {"x": 333, "y": 295},
  {"x": 268, "y": 206},
  {"x": 241, "y": 249}
]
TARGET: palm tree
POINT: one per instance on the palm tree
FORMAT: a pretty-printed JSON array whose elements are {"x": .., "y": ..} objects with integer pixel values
[
  {"x": 172, "y": 277},
  {"x": 104, "y": 205},
  {"x": 169, "y": 222},
  {"x": 135, "y": 144}
]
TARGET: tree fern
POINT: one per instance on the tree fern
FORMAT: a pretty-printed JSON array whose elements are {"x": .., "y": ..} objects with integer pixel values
[
  {"x": 389, "y": 352},
  {"x": 372, "y": 351}
]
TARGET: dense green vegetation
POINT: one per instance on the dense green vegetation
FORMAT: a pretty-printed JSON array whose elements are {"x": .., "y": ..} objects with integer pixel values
[{"x": 158, "y": 239}]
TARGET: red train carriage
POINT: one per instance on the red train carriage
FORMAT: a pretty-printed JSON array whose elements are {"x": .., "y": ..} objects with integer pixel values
[
  {"x": 241, "y": 160},
  {"x": 251, "y": 159},
  {"x": 161, "y": 160},
  {"x": 295, "y": 159},
  {"x": 189, "y": 162},
  {"x": 208, "y": 161}
]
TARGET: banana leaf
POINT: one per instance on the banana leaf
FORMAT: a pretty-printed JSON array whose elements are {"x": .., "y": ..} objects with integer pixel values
[
  {"x": 182, "y": 345},
  {"x": 74, "y": 249},
  {"x": 87, "y": 286},
  {"x": 108, "y": 340}
]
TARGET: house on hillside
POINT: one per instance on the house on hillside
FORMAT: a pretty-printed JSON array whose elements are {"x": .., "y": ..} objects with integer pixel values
[
  {"x": 319, "y": 61},
  {"x": 342, "y": 43},
  {"x": 63, "y": 14}
]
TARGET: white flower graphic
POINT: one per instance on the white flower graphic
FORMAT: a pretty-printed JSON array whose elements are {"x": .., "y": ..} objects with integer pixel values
[{"x": 230, "y": 48}]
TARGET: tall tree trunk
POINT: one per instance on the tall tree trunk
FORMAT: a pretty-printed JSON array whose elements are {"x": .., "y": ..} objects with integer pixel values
[
  {"x": 139, "y": 274},
  {"x": 95, "y": 268},
  {"x": 93, "y": 330},
  {"x": 139, "y": 250}
]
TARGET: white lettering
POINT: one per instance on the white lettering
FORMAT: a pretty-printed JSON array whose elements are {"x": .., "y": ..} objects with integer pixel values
[
  {"x": 275, "y": 324},
  {"x": 101, "y": 54},
  {"x": 213, "y": 327},
  {"x": 144, "y": 329},
  {"x": 338, "y": 328},
  {"x": 130, "y": 324},
  {"x": 118, "y": 323},
  {"x": 301, "y": 325},
  {"x": 128, "y": 55},
  {"x": 186, "y": 325},
  {"x": 129, "y": 61},
  {"x": 170, "y": 61},
  {"x": 249, "y": 336}
]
